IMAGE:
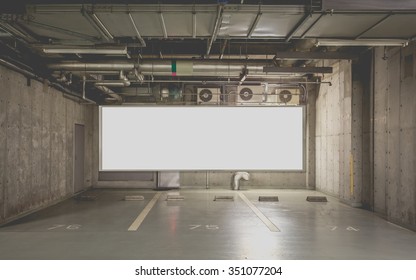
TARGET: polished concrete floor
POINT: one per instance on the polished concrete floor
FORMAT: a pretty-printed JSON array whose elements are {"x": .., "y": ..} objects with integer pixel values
[{"x": 200, "y": 228}]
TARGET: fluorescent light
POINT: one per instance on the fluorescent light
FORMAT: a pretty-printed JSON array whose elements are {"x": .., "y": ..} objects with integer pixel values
[
  {"x": 69, "y": 50},
  {"x": 361, "y": 42}
]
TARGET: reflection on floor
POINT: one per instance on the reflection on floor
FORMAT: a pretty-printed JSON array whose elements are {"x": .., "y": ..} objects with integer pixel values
[{"x": 105, "y": 226}]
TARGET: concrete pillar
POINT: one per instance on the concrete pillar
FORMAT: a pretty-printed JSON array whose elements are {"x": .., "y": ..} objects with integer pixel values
[
  {"x": 356, "y": 163},
  {"x": 310, "y": 138}
]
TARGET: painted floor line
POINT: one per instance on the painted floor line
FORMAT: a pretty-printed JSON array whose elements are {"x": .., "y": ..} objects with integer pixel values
[
  {"x": 272, "y": 227},
  {"x": 139, "y": 220}
]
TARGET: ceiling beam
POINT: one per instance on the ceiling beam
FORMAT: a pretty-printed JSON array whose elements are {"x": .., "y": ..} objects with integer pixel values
[
  {"x": 373, "y": 26},
  {"x": 305, "y": 70},
  {"x": 216, "y": 29},
  {"x": 133, "y": 23},
  {"x": 297, "y": 27},
  {"x": 315, "y": 55},
  {"x": 254, "y": 24}
]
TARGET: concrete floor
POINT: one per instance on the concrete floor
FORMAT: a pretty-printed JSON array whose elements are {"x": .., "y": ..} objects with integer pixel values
[{"x": 200, "y": 228}]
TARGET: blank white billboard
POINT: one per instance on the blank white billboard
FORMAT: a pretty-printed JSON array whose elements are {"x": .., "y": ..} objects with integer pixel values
[{"x": 201, "y": 138}]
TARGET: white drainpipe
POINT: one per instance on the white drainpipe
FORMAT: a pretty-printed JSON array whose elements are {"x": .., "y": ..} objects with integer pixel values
[{"x": 238, "y": 176}]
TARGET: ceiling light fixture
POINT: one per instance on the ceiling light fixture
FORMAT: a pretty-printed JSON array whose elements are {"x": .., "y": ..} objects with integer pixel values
[
  {"x": 70, "y": 50},
  {"x": 361, "y": 42}
]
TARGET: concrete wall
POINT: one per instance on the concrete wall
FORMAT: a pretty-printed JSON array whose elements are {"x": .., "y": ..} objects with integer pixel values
[
  {"x": 258, "y": 179},
  {"x": 366, "y": 134},
  {"x": 333, "y": 131},
  {"x": 343, "y": 133},
  {"x": 395, "y": 135},
  {"x": 36, "y": 144}
]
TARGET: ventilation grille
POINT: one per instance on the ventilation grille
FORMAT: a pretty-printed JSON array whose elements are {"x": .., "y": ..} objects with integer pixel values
[
  {"x": 316, "y": 199},
  {"x": 133, "y": 197},
  {"x": 224, "y": 198},
  {"x": 268, "y": 198},
  {"x": 86, "y": 197}
]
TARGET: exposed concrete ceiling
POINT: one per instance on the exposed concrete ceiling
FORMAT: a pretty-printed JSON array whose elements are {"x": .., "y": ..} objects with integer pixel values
[{"x": 196, "y": 40}]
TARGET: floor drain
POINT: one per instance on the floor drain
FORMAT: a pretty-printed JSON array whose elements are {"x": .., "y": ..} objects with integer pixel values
[
  {"x": 268, "y": 198},
  {"x": 316, "y": 199},
  {"x": 86, "y": 197},
  {"x": 224, "y": 198},
  {"x": 133, "y": 197}
]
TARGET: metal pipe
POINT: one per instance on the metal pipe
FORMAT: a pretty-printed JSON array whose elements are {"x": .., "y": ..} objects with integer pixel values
[
  {"x": 20, "y": 70},
  {"x": 83, "y": 86},
  {"x": 92, "y": 66},
  {"x": 164, "y": 68},
  {"x": 10, "y": 29},
  {"x": 105, "y": 89},
  {"x": 223, "y": 48},
  {"x": 294, "y": 83},
  {"x": 40, "y": 79},
  {"x": 305, "y": 70},
  {"x": 115, "y": 83},
  {"x": 111, "y": 93}
]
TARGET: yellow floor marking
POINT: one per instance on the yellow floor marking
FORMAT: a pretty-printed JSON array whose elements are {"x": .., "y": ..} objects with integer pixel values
[
  {"x": 139, "y": 220},
  {"x": 272, "y": 227}
]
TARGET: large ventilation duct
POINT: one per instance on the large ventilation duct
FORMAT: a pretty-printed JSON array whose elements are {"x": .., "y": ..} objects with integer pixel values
[
  {"x": 166, "y": 68},
  {"x": 198, "y": 69}
]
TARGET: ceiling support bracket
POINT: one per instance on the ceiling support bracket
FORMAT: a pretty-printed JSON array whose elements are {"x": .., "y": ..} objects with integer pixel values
[
  {"x": 254, "y": 24},
  {"x": 139, "y": 37},
  {"x": 216, "y": 29},
  {"x": 98, "y": 25}
]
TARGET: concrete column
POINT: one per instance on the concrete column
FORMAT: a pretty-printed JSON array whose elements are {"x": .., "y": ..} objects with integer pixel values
[
  {"x": 356, "y": 163},
  {"x": 310, "y": 138}
]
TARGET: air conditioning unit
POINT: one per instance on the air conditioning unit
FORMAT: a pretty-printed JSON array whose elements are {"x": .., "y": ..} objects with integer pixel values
[
  {"x": 283, "y": 96},
  {"x": 251, "y": 95},
  {"x": 208, "y": 96}
]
